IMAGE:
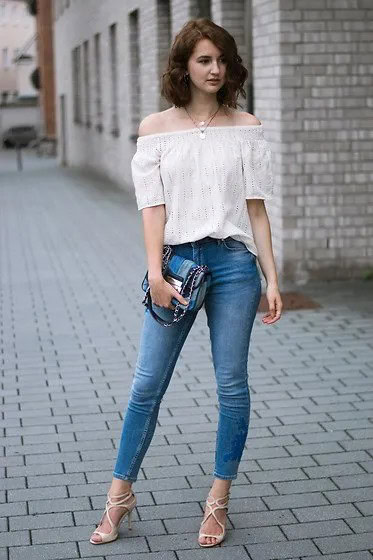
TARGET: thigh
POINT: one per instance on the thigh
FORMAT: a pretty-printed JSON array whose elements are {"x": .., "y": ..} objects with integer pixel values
[
  {"x": 159, "y": 350},
  {"x": 231, "y": 305}
]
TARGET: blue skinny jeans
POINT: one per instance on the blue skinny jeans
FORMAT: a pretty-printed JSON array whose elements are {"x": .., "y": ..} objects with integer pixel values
[{"x": 231, "y": 303}]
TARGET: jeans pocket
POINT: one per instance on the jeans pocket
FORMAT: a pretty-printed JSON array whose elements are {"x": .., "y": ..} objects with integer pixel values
[{"x": 234, "y": 245}]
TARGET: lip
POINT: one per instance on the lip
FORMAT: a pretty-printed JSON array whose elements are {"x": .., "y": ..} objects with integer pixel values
[{"x": 214, "y": 81}]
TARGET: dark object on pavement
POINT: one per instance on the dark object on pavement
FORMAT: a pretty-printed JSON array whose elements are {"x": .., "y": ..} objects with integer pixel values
[{"x": 18, "y": 136}]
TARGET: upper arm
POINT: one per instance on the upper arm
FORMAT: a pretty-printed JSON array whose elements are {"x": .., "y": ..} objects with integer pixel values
[
  {"x": 255, "y": 207},
  {"x": 149, "y": 125}
]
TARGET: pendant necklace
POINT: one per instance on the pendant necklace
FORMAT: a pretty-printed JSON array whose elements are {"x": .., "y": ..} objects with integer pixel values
[{"x": 199, "y": 125}]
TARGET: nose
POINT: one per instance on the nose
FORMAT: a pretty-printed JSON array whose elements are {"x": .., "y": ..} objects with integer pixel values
[{"x": 215, "y": 69}]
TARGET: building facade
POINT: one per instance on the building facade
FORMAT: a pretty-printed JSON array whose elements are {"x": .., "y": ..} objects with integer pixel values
[
  {"x": 310, "y": 83},
  {"x": 17, "y": 50}
]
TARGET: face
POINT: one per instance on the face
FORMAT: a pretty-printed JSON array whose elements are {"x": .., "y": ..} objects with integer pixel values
[{"x": 207, "y": 62}]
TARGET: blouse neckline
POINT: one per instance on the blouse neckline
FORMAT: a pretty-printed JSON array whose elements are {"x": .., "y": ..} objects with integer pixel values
[{"x": 195, "y": 129}]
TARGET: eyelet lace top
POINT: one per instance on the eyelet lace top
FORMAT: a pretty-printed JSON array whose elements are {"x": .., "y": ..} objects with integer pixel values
[{"x": 204, "y": 183}]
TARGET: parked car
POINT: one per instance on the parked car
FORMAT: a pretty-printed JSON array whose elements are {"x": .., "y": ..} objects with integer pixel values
[{"x": 20, "y": 135}]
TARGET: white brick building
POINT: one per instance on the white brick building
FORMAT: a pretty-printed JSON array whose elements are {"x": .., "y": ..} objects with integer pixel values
[{"x": 311, "y": 76}]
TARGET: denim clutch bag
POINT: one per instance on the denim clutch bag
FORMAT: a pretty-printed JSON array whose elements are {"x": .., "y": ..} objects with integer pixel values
[{"x": 188, "y": 278}]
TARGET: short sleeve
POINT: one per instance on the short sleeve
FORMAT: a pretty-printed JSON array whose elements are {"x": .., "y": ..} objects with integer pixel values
[
  {"x": 146, "y": 175},
  {"x": 257, "y": 168}
]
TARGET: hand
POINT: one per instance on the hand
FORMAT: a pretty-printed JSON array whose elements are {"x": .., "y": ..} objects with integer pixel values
[
  {"x": 274, "y": 304},
  {"x": 162, "y": 293}
]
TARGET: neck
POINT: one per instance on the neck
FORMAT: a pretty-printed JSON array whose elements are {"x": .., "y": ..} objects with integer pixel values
[{"x": 202, "y": 105}]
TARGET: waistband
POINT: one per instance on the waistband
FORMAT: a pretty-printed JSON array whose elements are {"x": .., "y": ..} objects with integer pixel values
[{"x": 206, "y": 239}]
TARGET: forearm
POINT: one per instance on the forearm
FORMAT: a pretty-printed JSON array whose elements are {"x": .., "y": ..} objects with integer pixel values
[
  {"x": 154, "y": 218},
  {"x": 262, "y": 237}
]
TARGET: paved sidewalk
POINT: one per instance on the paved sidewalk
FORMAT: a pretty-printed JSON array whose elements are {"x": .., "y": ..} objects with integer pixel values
[{"x": 71, "y": 264}]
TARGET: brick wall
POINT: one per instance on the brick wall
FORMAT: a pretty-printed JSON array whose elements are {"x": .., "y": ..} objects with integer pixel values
[
  {"x": 313, "y": 81},
  {"x": 45, "y": 56}
]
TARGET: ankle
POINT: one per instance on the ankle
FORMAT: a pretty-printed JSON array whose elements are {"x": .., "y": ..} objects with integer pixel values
[
  {"x": 220, "y": 488},
  {"x": 119, "y": 486}
]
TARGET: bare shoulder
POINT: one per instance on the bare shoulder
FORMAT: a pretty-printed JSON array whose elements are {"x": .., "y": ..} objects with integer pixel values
[
  {"x": 243, "y": 118},
  {"x": 149, "y": 125},
  {"x": 154, "y": 123}
]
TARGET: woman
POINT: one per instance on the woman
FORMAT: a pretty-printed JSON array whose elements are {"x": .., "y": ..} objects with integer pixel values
[{"x": 201, "y": 171}]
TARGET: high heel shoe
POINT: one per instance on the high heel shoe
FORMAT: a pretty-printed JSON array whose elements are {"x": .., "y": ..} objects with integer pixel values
[
  {"x": 128, "y": 501},
  {"x": 210, "y": 504}
]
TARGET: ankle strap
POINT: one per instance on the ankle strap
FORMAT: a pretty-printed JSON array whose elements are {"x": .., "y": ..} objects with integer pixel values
[
  {"x": 216, "y": 500},
  {"x": 125, "y": 495}
]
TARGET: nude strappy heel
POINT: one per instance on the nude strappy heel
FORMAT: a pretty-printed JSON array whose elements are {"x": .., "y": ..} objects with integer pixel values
[
  {"x": 210, "y": 504},
  {"x": 128, "y": 502}
]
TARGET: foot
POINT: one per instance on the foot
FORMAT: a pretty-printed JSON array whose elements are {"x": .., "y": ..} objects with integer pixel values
[
  {"x": 211, "y": 526},
  {"x": 115, "y": 513}
]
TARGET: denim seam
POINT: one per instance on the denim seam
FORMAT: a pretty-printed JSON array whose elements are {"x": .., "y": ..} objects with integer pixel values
[{"x": 176, "y": 349}]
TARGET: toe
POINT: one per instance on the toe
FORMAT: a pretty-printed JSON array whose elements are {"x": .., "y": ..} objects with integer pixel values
[{"x": 96, "y": 538}]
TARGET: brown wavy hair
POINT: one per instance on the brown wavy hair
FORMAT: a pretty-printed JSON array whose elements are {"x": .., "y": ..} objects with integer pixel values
[{"x": 173, "y": 85}]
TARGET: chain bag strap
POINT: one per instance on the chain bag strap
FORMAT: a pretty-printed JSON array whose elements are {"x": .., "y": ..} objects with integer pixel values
[{"x": 190, "y": 279}]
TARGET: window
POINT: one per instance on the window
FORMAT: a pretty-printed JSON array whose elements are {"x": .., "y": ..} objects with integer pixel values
[
  {"x": 204, "y": 9},
  {"x": 87, "y": 88},
  {"x": 98, "y": 82},
  {"x": 77, "y": 97},
  {"x": 164, "y": 40},
  {"x": 134, "y": 77},
  {"x": 114, "y": 80},
  {"x": 5, "y": 62}
]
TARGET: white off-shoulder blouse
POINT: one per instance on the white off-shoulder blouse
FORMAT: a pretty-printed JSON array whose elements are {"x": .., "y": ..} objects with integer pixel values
[{"x": 204, "y": 183}]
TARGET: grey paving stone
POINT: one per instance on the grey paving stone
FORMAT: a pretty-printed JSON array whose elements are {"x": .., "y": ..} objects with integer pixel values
[
  {"x": 346, "y": 543},
  {"x": 169, "y": 511},
  {"x": 347, "y": 556},
  {"x": 45, "y": 551},
  {"x": 58, "y": 505},
  {"x": 295, "y": 500},
  {"x": 356, "y": 481},
  {"x": 361, "y": 524},
  {"x": 352, "y": 495},
  {"x": 55, "y": 480},
  {"x": 281, "y": 549},
  {"x": 276, "y": 475},
  {"x": 334, "y": 470},
  {"x": 15, "y": 538},
  {"x": 366, "y": 508},
  {"x": 316, "y": 529},
  {"x": 123, "y": 546},
  {"x": 320, "y": 513},
  {"x": 221, "y": 552},
  {"x": 261, "y": 518},
  {"x": 166, "y": 472},
  {"x": 40, "y": 521},
  {"x": 37, "y": 493},
  {"x": 164, "y": 555},
  {"x": 297, "y": 487}
]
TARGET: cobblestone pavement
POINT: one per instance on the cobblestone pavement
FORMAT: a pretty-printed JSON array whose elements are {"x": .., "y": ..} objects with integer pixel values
[{"x": 72, "y": 260}]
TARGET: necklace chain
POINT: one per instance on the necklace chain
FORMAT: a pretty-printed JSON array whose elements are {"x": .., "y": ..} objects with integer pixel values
[{"x": 200, "y": 128}]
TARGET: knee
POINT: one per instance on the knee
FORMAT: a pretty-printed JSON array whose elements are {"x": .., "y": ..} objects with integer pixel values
[
  {"x": 234, "y": 390},
  {"x": 144, "y": 392}
]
